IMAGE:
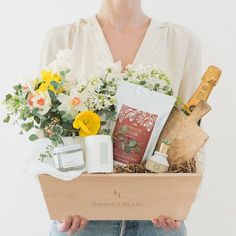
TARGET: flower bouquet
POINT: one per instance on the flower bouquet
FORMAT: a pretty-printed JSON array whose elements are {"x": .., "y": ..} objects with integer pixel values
[{"x": 55, "y": 106}]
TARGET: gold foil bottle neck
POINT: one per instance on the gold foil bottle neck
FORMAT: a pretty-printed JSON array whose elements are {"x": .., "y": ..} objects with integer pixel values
[
  {"x": 208, "y": 81},
  {"x": 212, "y": 75}
]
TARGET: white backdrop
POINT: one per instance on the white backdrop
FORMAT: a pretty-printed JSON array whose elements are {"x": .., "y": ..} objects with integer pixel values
[{"x": 23, "y": 25}]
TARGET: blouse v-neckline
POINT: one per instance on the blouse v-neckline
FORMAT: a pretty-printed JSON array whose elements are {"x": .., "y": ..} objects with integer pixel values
[
  {"x": 149, "y": 41},
  {"x": 109, "y": 51}
]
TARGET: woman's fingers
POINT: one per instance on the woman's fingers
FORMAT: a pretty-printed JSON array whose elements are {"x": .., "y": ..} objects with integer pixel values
[
  {"x": 72, "y": 224},
  {"x": 163, "y": 223},
  {"x": 167, "y": 223},
  {"x": 75, "y": 225},
  {"x": 175, "y": 224},
  {"x": 83, "y": 223},
  {"x": 65, "y": 224},
  {"x": 170, "y": 222},
  {"x": 156, "y": 222}
]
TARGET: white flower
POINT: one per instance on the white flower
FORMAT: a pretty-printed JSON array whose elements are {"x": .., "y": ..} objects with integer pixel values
[
  {"x": 41, "y": 101},
  {"x": 72, "y": 103},
  {"x": 64, "y": 61},
  {"x": 30, "y": 84},
  {"x": 115, "y": 69},
  {"x": 152, "y": 81},
  {"x": 69, "y": 85}
]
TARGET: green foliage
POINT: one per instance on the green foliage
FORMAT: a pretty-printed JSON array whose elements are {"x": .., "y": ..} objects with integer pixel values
[
  {"x": 27, "y": 126},
  {"x": 143, "y": 82},
  {"x": 18, "y": 87},
  {"x": 128, "y": 145},
  {"x": 7, "y": 119},
  {"x": 55, "y": 85},
  {"x": 47, "y": 154},
  {"x": 64, "y": 73},
  {"x": 35, "y": 111},
  {"x": 8, "y": 97},
  {"x": 33, "y": 137}
]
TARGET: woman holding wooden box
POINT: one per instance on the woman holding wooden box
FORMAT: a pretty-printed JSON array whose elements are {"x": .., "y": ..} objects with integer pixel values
[{"x": 120, "y": 31}]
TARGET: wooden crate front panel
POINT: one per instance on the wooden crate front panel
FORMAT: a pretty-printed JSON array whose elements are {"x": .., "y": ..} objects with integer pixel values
[{"x": 121, "y": 196}]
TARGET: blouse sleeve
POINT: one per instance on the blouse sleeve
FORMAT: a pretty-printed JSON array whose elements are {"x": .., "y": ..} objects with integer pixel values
[
  {"x": 51, "y": 45},
  {"x": 191, "y": 80},
  {"x": 58, "y": 38},
  {"x": 192, "y": 69}
]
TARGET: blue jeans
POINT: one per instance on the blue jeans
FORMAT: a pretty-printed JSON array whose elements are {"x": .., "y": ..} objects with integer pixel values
[{"x": 114, "y": 228}]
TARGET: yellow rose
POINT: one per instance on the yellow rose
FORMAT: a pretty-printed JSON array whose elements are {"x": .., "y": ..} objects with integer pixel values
[
  {"x": 48, "y": 77},
  {"x": 88, "y": 122}
]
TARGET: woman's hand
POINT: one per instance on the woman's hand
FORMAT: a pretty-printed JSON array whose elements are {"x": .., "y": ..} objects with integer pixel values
[
  {"x": 72, "y": 224},
  {"x": 167, "y": 223}
]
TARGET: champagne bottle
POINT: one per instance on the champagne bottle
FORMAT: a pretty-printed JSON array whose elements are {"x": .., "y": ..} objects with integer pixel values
[{"x": 209, "y": 80}]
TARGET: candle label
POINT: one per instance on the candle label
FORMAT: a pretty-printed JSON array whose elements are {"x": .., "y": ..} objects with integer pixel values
[
  {"x": 131, "y": 134},
  {"x": 72, "y": 159}
]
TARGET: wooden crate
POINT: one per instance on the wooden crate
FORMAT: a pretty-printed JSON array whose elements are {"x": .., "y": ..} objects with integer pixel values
[{"x": 121, "y": 196}]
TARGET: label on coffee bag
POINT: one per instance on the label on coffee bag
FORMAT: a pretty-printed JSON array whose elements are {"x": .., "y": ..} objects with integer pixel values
[{"x": 131, "y": 134}]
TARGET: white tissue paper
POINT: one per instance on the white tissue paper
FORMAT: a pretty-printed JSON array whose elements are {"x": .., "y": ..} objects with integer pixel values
[{"x": 32, "y": 165}]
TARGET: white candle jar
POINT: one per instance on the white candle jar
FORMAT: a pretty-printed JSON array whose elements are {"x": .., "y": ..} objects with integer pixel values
[
  {"x": 99, "y": 154},
  {"x": 69, "y": 157},
  {"x": 158, "y": 163}
]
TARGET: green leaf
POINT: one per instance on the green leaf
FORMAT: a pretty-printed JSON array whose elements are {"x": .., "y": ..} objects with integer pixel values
[
  {"x": 60, "y": 141},
  {"x": 157, "y": 86},
  {"x": 55, "y": 84},
  {"x": 17, "y": 87},
  {"x": 124, "y": 129},
  {"x": 63, "y": 73},
  {"x": 35, "y": 111},
  {"x": 44, "y": 123},
  {"x": 132, "y": 143},
  {"x": 165, "y": 88},
  {"x": 69, "y": 117},
  {"x": 103, "y": 123},
  {"x": 51, "y": 94},
  {"x": 108, "y": 131},
  {"x": 7, "y": 119},
  {"x": 170, "y": 92},
  {"x": 67, "y": 125},
  {"x": 113, "y": 109},
  {"x": 8, "y": 97},
  {"x": 54, "y": 138},
  {"x": 27, "y": 126},
  {"x": 37, "y": 119},
  {"x": 142, "y": 82},
  {"x": 128, "y": 150},
  {"x": 33, "y": 137},
  {"x": 57, "y": 129}
]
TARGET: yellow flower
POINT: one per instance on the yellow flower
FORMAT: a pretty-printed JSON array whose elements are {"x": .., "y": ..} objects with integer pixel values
[
  {"x": 48, "y": 77},
  {"x": 88, "y": 122},
  {"x": 42, "y": 88}
]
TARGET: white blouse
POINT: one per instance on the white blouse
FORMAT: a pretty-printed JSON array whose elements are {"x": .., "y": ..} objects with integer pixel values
[{"x": 174, "y": 49}]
